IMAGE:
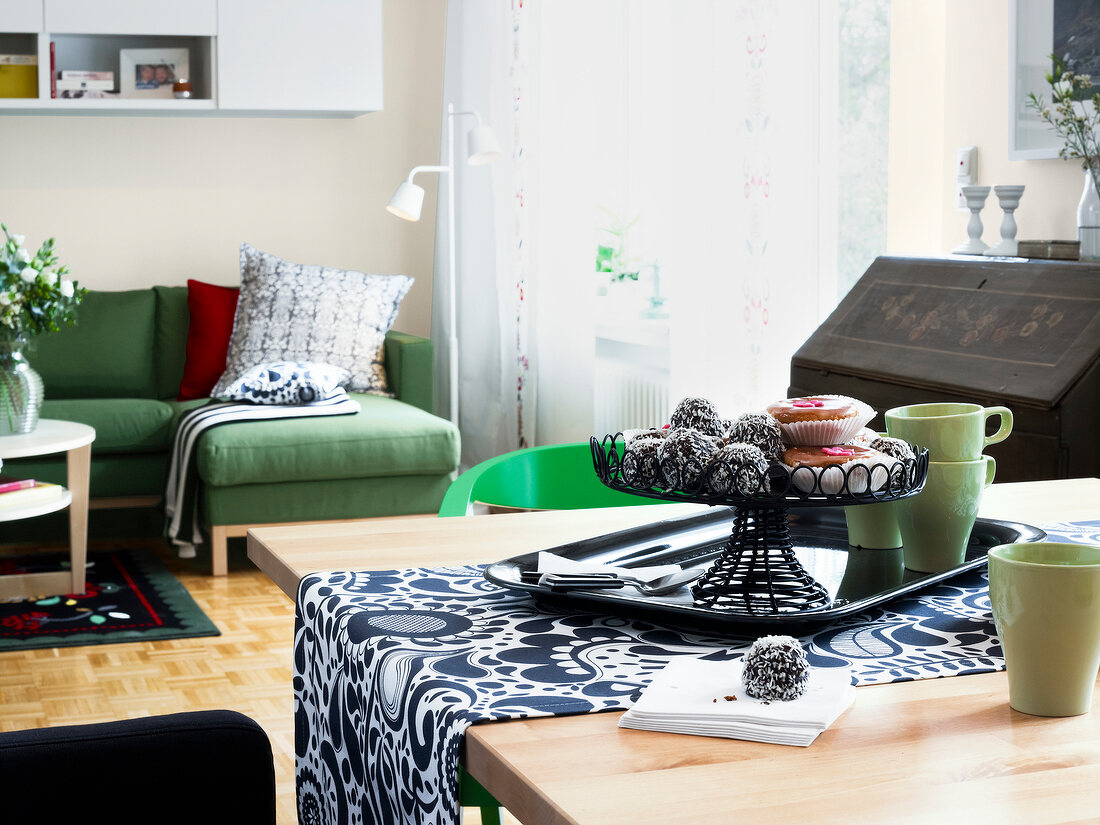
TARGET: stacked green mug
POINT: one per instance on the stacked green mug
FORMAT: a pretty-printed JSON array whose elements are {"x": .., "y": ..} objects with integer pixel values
[{"x": 935, "y": 525}]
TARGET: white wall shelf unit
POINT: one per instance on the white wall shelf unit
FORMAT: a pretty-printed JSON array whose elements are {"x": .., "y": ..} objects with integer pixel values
[{"x": 245, "y": 57}]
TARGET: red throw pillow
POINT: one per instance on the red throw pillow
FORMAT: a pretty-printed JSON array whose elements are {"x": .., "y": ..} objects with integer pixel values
[{"x": 212, "y": 309}]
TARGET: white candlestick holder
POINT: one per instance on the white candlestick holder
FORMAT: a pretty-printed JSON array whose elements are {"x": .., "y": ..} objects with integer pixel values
[
  {"x": 1009, "y": 197},
  {"x": 975, "y": 200}
]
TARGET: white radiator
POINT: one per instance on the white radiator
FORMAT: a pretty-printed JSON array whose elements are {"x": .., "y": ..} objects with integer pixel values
[{"x": 629, "y": 395}]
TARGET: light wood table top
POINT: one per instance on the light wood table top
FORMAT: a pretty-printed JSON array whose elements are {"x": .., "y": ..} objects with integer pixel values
[
  {"x": 287, "y": 554},
  {"x": 936, "y": 750}
]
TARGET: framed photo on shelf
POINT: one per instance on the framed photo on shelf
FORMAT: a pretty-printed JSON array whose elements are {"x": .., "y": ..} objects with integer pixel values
[
  {"x": 1038, "y": 29},
  {"x": 150, "y": 73}
]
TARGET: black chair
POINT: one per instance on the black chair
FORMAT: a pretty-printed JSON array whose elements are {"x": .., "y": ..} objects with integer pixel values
[{"x": 205, "y": 766}]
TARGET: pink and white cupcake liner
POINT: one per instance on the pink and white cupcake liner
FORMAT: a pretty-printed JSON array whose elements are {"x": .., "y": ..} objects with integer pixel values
[
  {"x": 830, "y": 430},
  {"x": 864, "y": 475}
]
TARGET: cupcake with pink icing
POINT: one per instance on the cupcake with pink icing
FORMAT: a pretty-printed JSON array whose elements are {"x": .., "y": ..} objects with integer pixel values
[{"x": 820, "y": 419}]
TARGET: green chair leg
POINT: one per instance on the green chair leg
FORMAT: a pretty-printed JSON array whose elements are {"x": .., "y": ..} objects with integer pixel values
[{"x": 471, "y": 794}]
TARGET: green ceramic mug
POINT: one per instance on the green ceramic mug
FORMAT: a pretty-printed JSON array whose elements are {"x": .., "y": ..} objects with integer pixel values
[
  {"x": 951, "y": 432},
  {"x": 1046, "y": 606},
  {"x": 935, "y": 524},
  {"x": 873, "y": 525}
]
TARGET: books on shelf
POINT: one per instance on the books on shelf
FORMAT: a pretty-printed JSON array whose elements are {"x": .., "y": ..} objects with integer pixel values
[
  {"x": 66, "y": 84},
  {"x": 40, "y": 493},
  {"x": 18, "y": 60},
  {"x": 86, "y": 94},
  {"x": 75, "y": 74}
]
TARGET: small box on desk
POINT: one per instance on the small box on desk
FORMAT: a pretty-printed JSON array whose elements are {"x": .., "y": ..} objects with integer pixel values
[
  {"x": 1049, "y": 250},
  {"x": 1022, "y": 334}
]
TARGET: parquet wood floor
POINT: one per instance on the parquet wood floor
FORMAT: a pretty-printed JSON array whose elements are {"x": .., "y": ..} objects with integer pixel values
[{"x": 247, "y": 668}]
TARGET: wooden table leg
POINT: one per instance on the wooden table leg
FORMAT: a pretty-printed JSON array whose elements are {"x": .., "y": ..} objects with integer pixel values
[{"x": 79, "y": 464}]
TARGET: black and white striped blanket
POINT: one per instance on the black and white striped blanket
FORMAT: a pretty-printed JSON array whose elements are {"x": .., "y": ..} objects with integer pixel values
[{"x": 181, "y": 500}]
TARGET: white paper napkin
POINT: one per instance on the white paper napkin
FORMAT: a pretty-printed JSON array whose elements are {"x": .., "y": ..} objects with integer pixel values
[
  {"x": 553, "y": 563},
  {"x": 689, "y": 696}
]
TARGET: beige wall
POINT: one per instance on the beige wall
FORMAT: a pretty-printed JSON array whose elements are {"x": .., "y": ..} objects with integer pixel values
[
  {"x": 949, "y": 87},
  {"x": 137, "y": 201}
]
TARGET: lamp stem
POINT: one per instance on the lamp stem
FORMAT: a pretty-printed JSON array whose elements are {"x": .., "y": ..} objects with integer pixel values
[{"x": 452, "y": 344}]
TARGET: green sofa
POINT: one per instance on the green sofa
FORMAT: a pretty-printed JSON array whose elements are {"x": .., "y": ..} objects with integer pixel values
[{"x": 119, "y": 370}]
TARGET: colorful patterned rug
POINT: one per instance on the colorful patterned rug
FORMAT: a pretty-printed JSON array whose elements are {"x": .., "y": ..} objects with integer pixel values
[{"x": 130, "y": 596}]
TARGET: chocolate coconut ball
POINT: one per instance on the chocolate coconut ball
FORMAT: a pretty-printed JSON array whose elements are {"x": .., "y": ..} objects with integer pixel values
[
  {"x": 760, "y": 430},
  {"x": 738, "y": 469},
  {"x": 775, "y": 668},
  {"x": 697, "y": 414},
  {"x": 684, "y": 455},
  {"x": 641, "y": 467},
  {"x": 894, "y": 447},
  {"x": 900, "y": 450},
  {"x": 637, "y": 432}
]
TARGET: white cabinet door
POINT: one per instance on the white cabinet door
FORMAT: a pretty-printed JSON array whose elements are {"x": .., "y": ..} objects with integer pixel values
[
  {"x": 179, "y": 17},
  {"x": 21, "y": 16},
  {"x": 289, "y": 55}
]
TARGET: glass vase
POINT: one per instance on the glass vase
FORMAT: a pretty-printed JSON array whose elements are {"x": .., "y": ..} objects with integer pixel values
[
  {"x": 20, "y": 389},
  {"x": 1088, "y": 221}
]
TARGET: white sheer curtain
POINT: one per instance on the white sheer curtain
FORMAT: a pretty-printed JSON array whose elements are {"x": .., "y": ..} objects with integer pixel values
[
  {"x": 715, "y": 122},
  {"x": 485, "y": 71},
  {"x": 732, "y": 176},
  {"x": 705, "y": 118}
]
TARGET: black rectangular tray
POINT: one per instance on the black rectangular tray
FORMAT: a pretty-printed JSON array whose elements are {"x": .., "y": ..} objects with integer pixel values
[{"x": 855, "y": 578}]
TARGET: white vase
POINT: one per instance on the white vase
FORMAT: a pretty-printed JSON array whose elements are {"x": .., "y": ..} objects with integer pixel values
[{"x": 1088, "y": 221}]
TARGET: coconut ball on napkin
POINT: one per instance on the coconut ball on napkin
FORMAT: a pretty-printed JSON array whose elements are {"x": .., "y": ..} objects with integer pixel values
[{"x": 775, "y": 667}]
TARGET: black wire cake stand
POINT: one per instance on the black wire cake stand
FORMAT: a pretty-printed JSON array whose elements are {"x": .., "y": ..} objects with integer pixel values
[{"x": 757, "y": 573}]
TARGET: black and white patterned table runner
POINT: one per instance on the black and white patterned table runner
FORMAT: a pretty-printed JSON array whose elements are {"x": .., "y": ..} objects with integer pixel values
[{"x": 391, "y": 667}]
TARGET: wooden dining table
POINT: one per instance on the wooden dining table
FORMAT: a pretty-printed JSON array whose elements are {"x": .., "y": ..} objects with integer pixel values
[{"x": 929, "y": 751}]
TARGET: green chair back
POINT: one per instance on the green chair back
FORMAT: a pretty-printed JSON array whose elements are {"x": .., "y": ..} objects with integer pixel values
[{"x": 553, "y": 477}]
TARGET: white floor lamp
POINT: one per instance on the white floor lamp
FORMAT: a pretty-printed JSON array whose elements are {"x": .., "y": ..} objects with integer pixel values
[{"x": 481, "y": 148}]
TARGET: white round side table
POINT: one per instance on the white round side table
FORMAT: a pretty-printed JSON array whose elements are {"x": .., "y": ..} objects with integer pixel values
[{"x": 75, "y": 440}]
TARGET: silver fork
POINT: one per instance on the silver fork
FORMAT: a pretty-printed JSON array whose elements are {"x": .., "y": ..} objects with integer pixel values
[{"x": 614, "y": 581}]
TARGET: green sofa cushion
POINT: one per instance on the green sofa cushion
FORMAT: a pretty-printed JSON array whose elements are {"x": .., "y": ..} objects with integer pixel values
[
  {"x": 107, "y": 354},
  {"x": 386, "y": 438},
  {"x": 173, "y": 320},
  {"x": 122, "y": 425},
  {"x": 345, "y": 498}
]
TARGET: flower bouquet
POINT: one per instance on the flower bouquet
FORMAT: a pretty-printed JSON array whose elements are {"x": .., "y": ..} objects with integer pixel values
[{"x": 35, "y": 297}]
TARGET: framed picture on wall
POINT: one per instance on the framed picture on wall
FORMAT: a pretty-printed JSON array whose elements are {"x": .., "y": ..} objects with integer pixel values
[
  {"x": 150, "y": 73},
  {"x": 1038, "y": 29}
]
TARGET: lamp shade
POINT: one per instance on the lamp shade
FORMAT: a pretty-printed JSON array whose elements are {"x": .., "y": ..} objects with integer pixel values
[
  {"x": 407, "y": 201},
  {"x": 482, "y": 145}
]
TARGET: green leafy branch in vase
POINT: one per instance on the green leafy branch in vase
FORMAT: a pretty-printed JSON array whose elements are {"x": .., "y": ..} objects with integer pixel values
[
  {"x": 612, "y": 258},
  {"x": 1071, "y": 115}
]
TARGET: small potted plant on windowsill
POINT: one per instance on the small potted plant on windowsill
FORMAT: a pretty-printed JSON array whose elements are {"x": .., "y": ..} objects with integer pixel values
[{"x": 614, "y": 264}]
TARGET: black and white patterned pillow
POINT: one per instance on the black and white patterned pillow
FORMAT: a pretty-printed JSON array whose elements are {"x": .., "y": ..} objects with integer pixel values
[
  {"x": 293, "y": 312},
  {"x": 287, "y": 382}
]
